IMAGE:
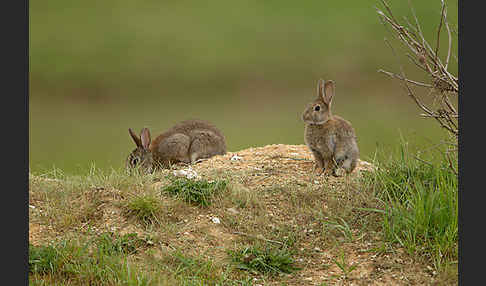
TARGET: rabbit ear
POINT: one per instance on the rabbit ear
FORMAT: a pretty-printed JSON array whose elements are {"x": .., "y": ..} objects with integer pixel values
[
  {"x": 328, "y": 92},
  {"x": 135, "y": 138},
  {"x": 145, "y": 136},
  {"x": 320, "y": 89}
]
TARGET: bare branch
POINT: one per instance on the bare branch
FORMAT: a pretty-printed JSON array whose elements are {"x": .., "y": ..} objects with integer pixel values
[
  {"x": 406, "y": 79},
  {"x": 413, "y": 60},
  {"x": 438, "y": 30},
  {"x": 435, "y": 115},
  {"x": 409, "y": 90},
  {"x": 449, "y": 35},
  {"x": 426, "y": 59}
]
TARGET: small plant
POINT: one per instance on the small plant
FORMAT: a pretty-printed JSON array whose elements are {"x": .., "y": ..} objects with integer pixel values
[
  {"x": 145, "y": 208},
  {"x": 343, "y": 265},
  {"x": 110, "y": 243},
  {"x": 192, "y": 270},
  {"x": 198, "y": 192},
  {"x": 343, "y": 227},
  {"x": 43, "y": 259},
  {"x": 74, "y": 262},
  {"x": 266, "y": 260}
]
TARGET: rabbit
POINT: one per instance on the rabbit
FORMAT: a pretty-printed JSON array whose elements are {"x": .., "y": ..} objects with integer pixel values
[
  {"x": 188, "y": 142},
  {"x": 330, "y": 138}
]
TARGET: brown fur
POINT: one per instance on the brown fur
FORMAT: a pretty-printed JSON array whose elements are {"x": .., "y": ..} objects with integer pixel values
[
  {"x": 187, "y": 142},
  {"x": 331, "y": 139}
]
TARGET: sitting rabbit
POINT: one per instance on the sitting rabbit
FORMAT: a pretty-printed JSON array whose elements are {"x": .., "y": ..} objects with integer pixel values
[{"x": 331, "y": 138}]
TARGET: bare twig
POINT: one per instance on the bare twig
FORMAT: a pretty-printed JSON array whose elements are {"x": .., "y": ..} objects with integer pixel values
[
  {"x": 428, "y": 115},
  {"x": 427, "y": 59},
  {"x": 438, "y": 31},
  {"x": 451, "y": 165},
  {"x": 450, "y": 38},
  {"x": 406, "y": 79}
]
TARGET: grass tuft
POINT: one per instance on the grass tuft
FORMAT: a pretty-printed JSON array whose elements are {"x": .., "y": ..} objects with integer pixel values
[
  {"x": 110, "y": 243},
  {"x": 420, "y": 204},
  {"x": 74, "y": 263},
  {"x": 43, "y": 259},
  {"x": 200, "y": 192},
  {"x": 266, "y": 259},
  {"x": 144, "y": 208}
]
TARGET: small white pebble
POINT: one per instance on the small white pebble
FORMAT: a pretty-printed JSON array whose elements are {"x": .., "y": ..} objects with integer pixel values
[
  {"x": 235, "y": 157},
  {"x": 215, "y": 220},
  {"x": 31, "y": 206}
]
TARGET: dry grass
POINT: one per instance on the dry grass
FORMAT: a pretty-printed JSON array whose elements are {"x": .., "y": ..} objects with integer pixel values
[{"x": 272, "y": 199}]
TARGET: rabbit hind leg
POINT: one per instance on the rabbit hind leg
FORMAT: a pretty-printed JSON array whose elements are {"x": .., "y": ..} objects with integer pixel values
[
  {"x": 203, "y": 147},
  {"x": 346, "y": 162}
]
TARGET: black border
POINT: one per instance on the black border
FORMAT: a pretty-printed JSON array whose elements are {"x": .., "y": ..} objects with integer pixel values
[
  {"x": 471, "y": 124},
  {"x": 460, "y": 222},
  {"x": 14, "y": 23}
]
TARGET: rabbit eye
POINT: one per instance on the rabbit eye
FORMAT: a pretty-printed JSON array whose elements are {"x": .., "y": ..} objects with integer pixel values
[{"x": 317, "y": 108}]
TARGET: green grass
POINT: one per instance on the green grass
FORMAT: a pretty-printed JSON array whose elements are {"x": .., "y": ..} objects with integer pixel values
[
  {"x": 343, "y": 265},
  {"x": 82, "y": 263},
  {"x": 186, "y": 269},
  {"x": 420, "y": 206},
  {"x": 145, "y": 208},
  {"x": 43, "y": 259},
  {"x": 342, "y": 226},
  {"x": 193, "y": 270},
  {"x": 266, "y": 259},
  {"x": 197, "y": 192},
  {"x": 111, "y": 243}
]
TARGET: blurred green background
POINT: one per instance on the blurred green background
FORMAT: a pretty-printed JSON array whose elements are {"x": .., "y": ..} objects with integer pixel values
[{"x": 100, "y": 67}]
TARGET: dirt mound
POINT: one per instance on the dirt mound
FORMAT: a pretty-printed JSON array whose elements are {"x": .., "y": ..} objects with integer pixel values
[
  {"x": 277, "y": 163},
  {"x": 273, "y": 194}
]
